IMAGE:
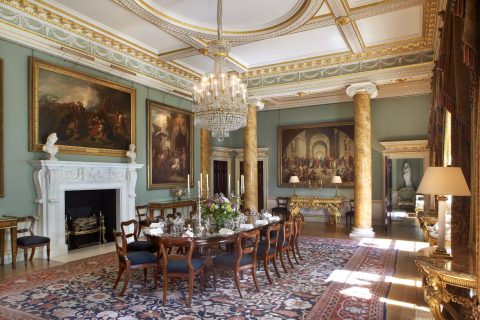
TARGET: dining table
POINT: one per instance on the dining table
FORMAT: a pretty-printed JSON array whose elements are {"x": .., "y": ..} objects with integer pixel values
[{"x": 207, "y": 244}]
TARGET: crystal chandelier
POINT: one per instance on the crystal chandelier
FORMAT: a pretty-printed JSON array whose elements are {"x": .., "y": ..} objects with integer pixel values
[{"x": 220, "y": 100}]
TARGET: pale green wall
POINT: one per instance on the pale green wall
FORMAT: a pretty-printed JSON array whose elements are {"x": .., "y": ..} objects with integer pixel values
[
  {"x": 19, "y": 188},
  {"x": 392, "y": 119}
]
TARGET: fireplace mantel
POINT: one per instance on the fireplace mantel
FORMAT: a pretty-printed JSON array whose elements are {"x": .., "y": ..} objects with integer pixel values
[{"x": 53, "y": 178}]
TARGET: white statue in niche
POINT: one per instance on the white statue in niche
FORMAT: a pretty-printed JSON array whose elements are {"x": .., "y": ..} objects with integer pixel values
[
  {"x": 407, "y": 175},
  {"x": 50, "y": 147},
  {"x": 131, "y": 154}
]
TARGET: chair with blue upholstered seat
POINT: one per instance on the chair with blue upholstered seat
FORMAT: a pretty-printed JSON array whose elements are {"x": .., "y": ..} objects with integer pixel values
[
  {"x": 267, "y": 250},
  {"x": 284, "y": 242},
  {"x": 133, "y": 260},
  {"x": 32, "y": 241},
  {"x": 181, "y": 266},
  {"x": 297, "y": 231},
  {"x": 133, "y": 244},
  {"x": 244, "y": 257}
]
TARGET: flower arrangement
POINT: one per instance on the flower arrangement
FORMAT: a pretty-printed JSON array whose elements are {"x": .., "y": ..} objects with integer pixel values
[{"x": 220, "y": 209}]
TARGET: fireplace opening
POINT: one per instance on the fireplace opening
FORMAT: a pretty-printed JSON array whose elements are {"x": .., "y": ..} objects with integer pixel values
[{"x": 90, "y": 217}]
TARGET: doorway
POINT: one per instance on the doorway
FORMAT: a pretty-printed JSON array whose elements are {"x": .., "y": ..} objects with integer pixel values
[{"x": 220, "y": 176}]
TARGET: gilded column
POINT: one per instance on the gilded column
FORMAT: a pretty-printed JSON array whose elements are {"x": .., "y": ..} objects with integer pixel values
[
  {"x": 250, "y": 197},
  {"x": 205, "y": 151},
  {"x": 362, "y": 93}
]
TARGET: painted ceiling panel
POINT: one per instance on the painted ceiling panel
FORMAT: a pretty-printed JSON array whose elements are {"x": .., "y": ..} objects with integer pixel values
[
  {"x": 392, "y": 26},
  {"x": 294, "y": 46}
]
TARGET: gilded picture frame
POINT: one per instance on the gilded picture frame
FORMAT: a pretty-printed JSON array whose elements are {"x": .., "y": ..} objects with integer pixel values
[
  {"x": 2, "y": 159},
  {"x": 90, "y": 115},
  {"x": 315, "y": 153},
  {"x": 170, "y": 146}
]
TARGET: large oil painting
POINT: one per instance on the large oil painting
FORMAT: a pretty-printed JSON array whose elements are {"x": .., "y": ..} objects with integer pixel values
[
  {"x": 315, "y": 153},
  {"x": 88, "y": 114},
  {"x": 170, "y": 146}
]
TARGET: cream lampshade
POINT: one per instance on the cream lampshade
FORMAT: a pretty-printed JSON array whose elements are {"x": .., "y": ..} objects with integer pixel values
[
  {"x": 336, "y": 180},
  {"x": 294, "y": 180},
  {"x": 443, "y": 181}
]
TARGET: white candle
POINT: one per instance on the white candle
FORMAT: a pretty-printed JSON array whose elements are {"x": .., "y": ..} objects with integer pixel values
[
  {"x": 237, "y": 190},
  {"x": 242, "y": 183},
  {"x": 206, "y": 182},
  {"x": 188, "y": 183},
  {"x": 199, "y": 189},
  {"x": 228, "y": 184}
]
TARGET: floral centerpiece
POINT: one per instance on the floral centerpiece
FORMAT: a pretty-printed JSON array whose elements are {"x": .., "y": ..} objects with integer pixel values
[{"x": 220, "y": 209}]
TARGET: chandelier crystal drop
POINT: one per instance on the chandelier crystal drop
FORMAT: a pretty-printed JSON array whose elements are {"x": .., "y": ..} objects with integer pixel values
[{"x": 220, "y": 99}]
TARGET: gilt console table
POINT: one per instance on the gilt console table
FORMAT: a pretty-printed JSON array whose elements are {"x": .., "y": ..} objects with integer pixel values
[
  {"x": 449, "y": 284},
  {"x": 332, "y": 205},
  {"x": 170, "y": 204}
]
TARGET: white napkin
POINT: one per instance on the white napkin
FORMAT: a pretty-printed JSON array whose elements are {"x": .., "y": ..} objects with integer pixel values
[
  {"x": 274, "y": 218},
  {"x": 267, "y": 215},
  {"x": 261, "y": 222},
  {"x": 187, "y": 234},
  {"x": 246, "y": 226},
  {"x": 156, "y": 225},
  {"x": 225, "y": 232},
  {"x": 156, "y": 231}
]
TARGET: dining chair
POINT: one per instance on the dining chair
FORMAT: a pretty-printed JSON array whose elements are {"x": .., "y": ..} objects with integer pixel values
[
  {"x": 133, "y": 244},
  {"x": 181, "y": 266},
  {"x": 244, "y": 257},
  {"x": 31, "y": 241},
  {"x": 297, "y": 231},
  {"x": 133, "y": 260},
  {"x": 284, "y": 244},
  {"x": 282, "y": 208},
  {"x": 142, "y": 217},
  {"x": 267, "y": 249}
]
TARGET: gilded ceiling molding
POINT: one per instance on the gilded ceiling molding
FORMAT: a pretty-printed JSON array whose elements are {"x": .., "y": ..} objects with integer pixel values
[
  {"x": 341, "y": 70},
  {"x": 43, "y": 22},
  {"x": 306, "y": 11},
  {"x": 274, "y": 87}
]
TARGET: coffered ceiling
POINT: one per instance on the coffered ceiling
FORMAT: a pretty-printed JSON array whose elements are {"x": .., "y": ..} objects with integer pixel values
[{"x": 280, "y": 48}]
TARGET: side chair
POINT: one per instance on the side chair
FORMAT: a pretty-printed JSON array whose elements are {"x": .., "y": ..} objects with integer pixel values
[
  {"x": 284, "y": 241},
  {"x": 133, "y": 244},
  {"x": 31, "y": 241},
  {"x": 142, "y": 217},
  {"x": 297, "y": 231},
  {"x": 181, "y": 266},
  {"x": 244, "y": 257},
  {"x": 133, "y": 260},
  {"x": 267, "y": 250}
]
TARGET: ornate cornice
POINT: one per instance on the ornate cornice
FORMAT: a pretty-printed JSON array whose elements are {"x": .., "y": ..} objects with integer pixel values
[
  {"x": 341, "y": 70},
  {"x": 42, "y": 20}
]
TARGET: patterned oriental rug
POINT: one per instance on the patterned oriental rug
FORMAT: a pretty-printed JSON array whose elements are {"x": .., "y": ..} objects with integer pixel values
[{"x": 83, "y": 290}]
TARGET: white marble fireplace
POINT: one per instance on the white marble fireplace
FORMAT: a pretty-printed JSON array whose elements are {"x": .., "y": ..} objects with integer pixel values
[{"x": 53, "y": 178}]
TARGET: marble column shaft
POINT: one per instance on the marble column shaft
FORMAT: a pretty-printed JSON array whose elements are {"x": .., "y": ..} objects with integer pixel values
[
  {"x": 205, "y": 152},
  {"x": 363, "y": 162},
  {"x": 250, "y": 160}
]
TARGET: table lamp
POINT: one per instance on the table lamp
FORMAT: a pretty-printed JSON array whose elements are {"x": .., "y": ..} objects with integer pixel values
[
  {"x": 336, "y": 180},
  {"x": 443, "y": 181},
  {"x": 294, "y": 180}
]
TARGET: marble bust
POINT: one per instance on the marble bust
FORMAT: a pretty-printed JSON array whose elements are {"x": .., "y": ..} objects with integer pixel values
[
  {"x": 50, "y": 146},
  {"x": 131, "y": 154}
]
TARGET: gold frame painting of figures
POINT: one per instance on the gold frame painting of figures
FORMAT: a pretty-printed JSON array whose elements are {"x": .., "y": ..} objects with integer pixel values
[
  {"x": 315, "y": 153},
  {"x": 170, "y": 146},
  {"x": 89, "y": 115},
  {"x": 2, "y": 166}
]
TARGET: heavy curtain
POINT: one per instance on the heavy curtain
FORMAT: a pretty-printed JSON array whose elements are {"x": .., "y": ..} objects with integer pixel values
[{"x": 455, "y": 88}]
